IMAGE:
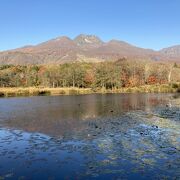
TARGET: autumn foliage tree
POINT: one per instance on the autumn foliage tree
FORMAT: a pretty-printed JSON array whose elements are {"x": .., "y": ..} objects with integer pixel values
[{"x": 109, "y": 75}]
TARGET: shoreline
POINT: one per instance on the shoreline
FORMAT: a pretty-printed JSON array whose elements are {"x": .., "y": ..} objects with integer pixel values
[{"x": 39, "y": 91}]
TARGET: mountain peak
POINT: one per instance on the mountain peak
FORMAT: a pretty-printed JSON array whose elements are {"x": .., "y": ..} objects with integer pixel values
[
  {"x": 62, "y": 38},
  {"x": 118, "y": 42},
  {"x": 59, "y": 42},
  {"x": 88, "y": 40}
]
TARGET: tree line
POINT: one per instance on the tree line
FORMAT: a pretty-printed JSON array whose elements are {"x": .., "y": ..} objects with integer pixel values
[{"x": 109, "y": 75}]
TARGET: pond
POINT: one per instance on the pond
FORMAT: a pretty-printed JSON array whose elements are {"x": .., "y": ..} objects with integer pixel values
[{"x": 111, "y": 136}]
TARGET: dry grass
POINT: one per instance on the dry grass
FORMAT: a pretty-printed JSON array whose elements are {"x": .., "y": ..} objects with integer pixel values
[
  {"x": 35, "y": 91},
  {"x": 164, "y": 88}
]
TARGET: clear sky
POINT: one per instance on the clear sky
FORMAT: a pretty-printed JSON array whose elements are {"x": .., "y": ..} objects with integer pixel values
[{"x": 146, "y": 23}]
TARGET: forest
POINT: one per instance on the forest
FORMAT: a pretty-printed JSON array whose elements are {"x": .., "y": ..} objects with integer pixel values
[{"x": 109, "y": 75}]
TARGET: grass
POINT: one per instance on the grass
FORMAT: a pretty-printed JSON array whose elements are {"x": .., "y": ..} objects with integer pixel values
[
  {"x": 36, "y": 91},
  {"x": 164, "y": 88}
]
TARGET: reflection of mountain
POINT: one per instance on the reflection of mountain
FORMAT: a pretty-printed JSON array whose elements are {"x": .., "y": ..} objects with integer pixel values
[{"x": 64, "y": 114}]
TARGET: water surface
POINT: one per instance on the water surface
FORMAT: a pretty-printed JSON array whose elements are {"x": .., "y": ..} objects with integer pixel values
[{"x": 112, "y": 136}]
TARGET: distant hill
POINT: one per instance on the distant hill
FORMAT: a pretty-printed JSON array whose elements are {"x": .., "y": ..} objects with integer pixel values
[{"x": 88, "y": 48}]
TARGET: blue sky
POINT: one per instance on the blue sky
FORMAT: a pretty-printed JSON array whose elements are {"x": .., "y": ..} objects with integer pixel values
[{"x": 146, "y": 23}]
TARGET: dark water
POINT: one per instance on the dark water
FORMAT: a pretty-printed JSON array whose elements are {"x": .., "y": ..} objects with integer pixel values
[{"x": 115, "y": 136}]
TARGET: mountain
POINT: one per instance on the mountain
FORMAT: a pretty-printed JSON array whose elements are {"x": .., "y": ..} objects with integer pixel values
[
  {"x": 172, "y": 52},
  {"x": 89, "y": 48}
]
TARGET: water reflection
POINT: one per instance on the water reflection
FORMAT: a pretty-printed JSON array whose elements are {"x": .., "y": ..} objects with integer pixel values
[{"x": 63, "y": 114}]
